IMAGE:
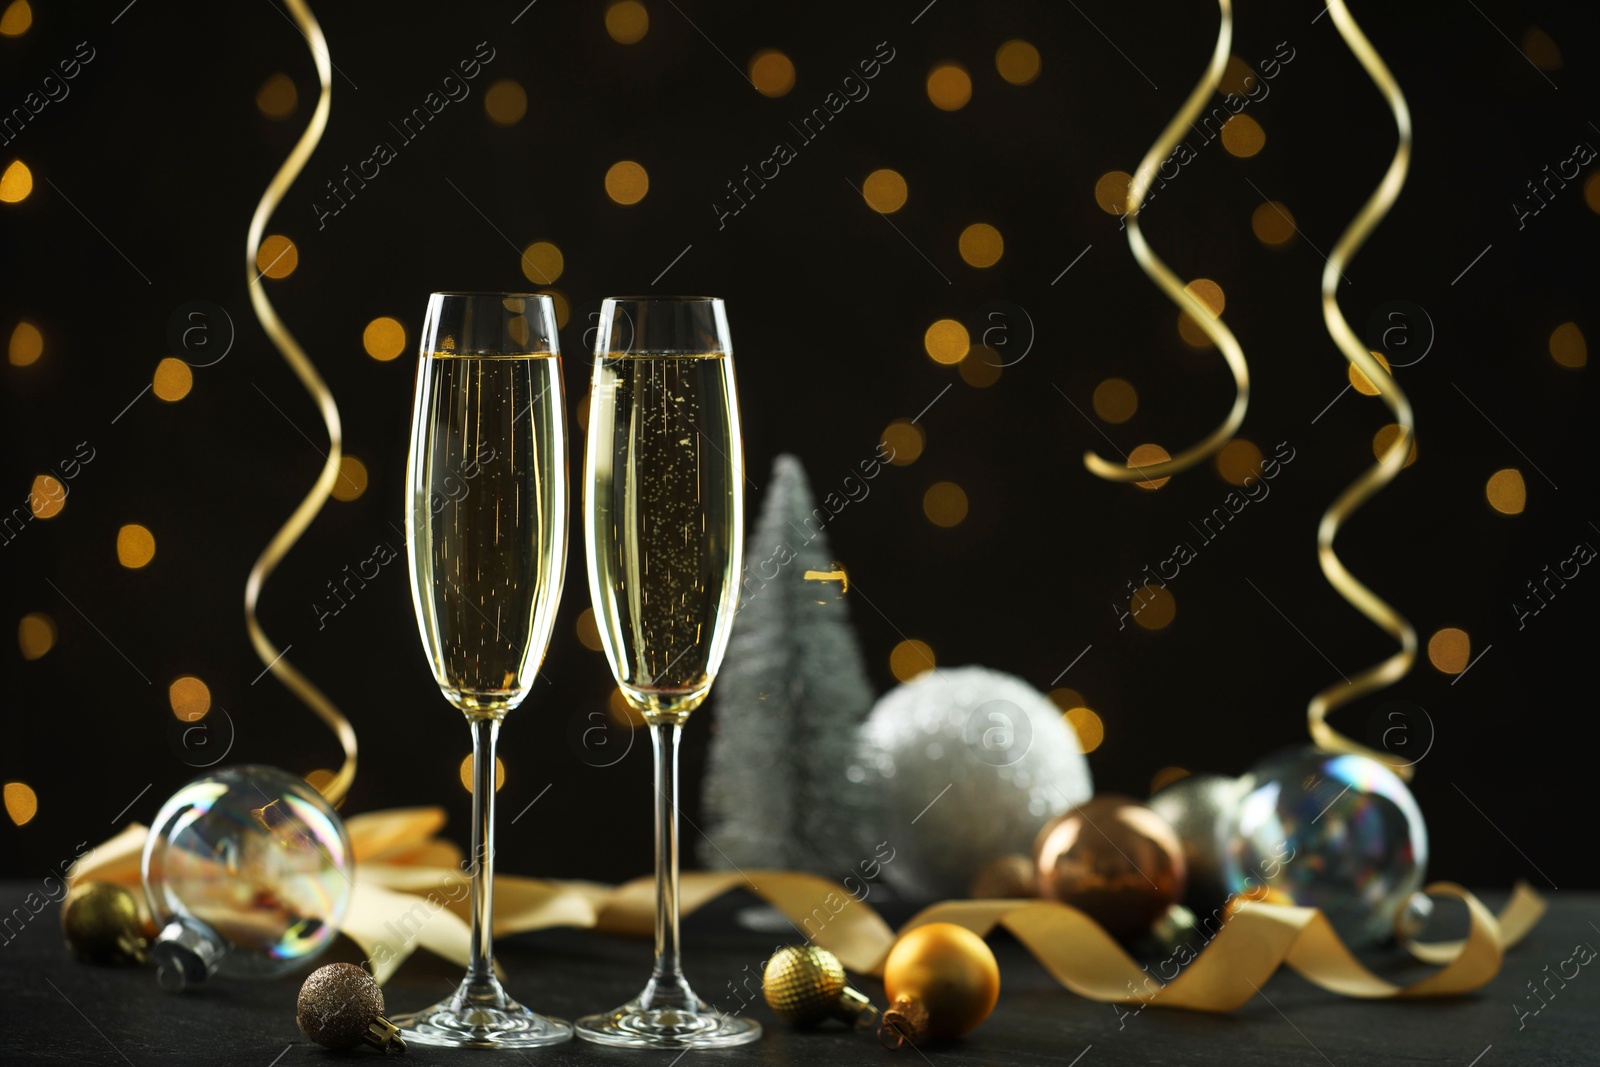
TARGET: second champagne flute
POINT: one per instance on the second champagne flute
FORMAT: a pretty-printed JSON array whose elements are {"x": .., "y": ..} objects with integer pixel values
[{"x": 664, "y": 520}]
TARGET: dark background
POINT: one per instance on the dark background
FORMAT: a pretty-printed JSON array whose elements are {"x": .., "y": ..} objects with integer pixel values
[{"x": 161, "y": 147}]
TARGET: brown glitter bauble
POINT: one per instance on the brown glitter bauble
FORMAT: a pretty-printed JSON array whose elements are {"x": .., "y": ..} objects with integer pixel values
[{"x": 337, "y": 1004}]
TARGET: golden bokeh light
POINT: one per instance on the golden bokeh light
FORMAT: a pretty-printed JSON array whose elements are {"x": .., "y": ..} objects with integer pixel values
[
  {"x": 622, "y": 712},
  {"x": 36, "y": 635},
  {"x": 1567, "y": 346},
  {"x": 1166, "y": 776},
  {"x": 945, "y": 504},
  {"x": 949, "y": 86},
  {"x": 1111, "y": 191},
  {"x": 1154, "y": 607},
  {"x": 910, "y": 658},
  {"x": 384, "y": 338},
  {"x": 1116, "y": 400},
  {"x": 505, "y": 102},
  {"x": 1192, "y": 333},
  {"x": 352, "y": 480},
  {"x": 1235, "y": 77},
  {"x": 905, "y": 440},
  {"x": 1541, "y": 49},
  {"x": 1087, "y": 725},
  {"x": 1239, "y": 460},
  {"x": 17, "y": 18},
  {"x": 190, "y": 698},
  {"x": 627, "y": 21},
  {"x": 563, "y": 306},
  {"x": 1066, "y": 699},
  {"x": 946, "y": 342},
  {"x": 1506, "y": 492},
  {"x": 1243, "y": 136},
  {"x": 277, "y": 257},
  {"x": 16, "y": 183},
  {"x": 1210, "y": 295},
  {"x": 1359, "y": 379},
  {"x": 22, "y": 803},
  {"x": 981, "y": 245},
  {"x": 627, "y": 182},
  {"x": 1273, "y": 224},
  {"x": 1017, "y": 61},
  {"x": 1591, "y": 192},
  {"x": 589, "y": 631},
  {"x": 499, "y": 774},
  {"x": 771, "y": 72},
  {"x": 1143, "y": 455},
  {"x": 981, "y": 368},
  {"x": 136, "y": 546},
  {"x": 542, "y": 262},
  {"x": 27, "y": 345},
  {"x": 580, "y": 413},
  {"x": 172, "y": 380},
  {"x": 1385, "y": 438},
  {"x": 277, "y": 98},
  {"x": 47, "y": 496},
  {"x": 1450, "y": 650},
  {"x": 884, "y": 191}
]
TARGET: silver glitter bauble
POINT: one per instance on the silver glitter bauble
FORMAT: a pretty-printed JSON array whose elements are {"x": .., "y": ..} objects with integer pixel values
[
  {"x": 968, "y": 764},
  {"x": 1200, "y": 807}
]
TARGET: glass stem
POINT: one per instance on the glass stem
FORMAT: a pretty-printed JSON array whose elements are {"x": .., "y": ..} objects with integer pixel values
[
  {"x": 485, "y": 732},
  {"x": 664, "y": 740}
]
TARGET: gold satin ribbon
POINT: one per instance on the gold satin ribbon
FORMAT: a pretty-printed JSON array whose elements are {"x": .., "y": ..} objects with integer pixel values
[
  {"x": 411, "y": 892},
  {"x": 295, "y": 356},
  {"x": 1384, "y": 471},
  {"x": 1169, "y": 283}
]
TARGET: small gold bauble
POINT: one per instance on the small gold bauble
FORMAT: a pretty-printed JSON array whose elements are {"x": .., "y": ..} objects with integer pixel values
[
  {"x": 102, "y": 924},
  {"x": 941, "y": 981},
  {"x": 805, "y": 984}
]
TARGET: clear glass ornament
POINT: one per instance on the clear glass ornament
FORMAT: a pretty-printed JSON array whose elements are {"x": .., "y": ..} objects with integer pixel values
[{"x": 248, "y": 871}]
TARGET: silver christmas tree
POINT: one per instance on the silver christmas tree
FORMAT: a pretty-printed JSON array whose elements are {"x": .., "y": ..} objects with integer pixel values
[{"x": 789, "y": 699}]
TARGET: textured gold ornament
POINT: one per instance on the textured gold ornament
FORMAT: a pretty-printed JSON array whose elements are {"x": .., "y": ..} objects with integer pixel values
[
  {"x": 102, "y": 924},
  {"x": 805, "y": 984},
  {"x": 340, "y": 1006}
]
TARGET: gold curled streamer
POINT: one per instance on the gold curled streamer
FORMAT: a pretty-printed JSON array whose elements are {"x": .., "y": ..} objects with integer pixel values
[
  {"x": 295, "y": 356},
  {"x": 1169, "y": 283},
  {"x": 1384, "y": 471}
]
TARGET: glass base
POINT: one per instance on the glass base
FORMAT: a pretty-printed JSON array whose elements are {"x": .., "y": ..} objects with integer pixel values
[
  {"x": 667, "y": 1015},
  {"x": 481, "y": 1015}
]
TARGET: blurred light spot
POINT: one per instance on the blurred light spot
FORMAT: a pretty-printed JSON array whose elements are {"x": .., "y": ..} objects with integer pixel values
[
  {"x": 981, "y": 245},
  {"x": 1166, "y": 776},
  {"x": 563, "y": 306},
  {"x": 1273, "y": 224},
  {"x": 1591, "y": 192},
  {"x": 190, "y": 698},
  {"x": 277, "y": 257},
  {"x": 905, "y": 440},
  {"x": 910, "y": 658},
  {"x": 277, "y": 98},
  {"x": 542, "y": 262},
  {"x": 1143, "y": 455},
  {"x": 36, "y": 634},
  {"x": 1450, "y": 650},
  {"x": 1087, "y": 725},
  {"x": 945, "y": 504},
  {"x": 627, "y": 21},
  {"x": 1210, "y": 295},
  {"x": 949, "y": 86},
  {"x": 622, "y": 712},
  {"x": 27, "y": 344},
  {"x": 981, "y": 368},
  {"x": 1506, "y": 491},
  {"x": 172, "y": 380},
  {"x": 589, "y": 631},
  {"x": 1239, "y": 460},
  {"x": 772, "y": 72},
  {"x": 1359, "y": 379},
  {"x": 499, "y": 774},
  {"x": 1567, "y": 346},
  {"x": 1066, "y": 699},
  {"x": 136, "y": 546},
  {"x": 1541, "y": 49},
  {"x": 1243, "y": 136},
  {"x": 580, "y": 413},
  {"x": 946, "y": 341},
  {"x": 47, "y": 497},
  {"x": 884, "y": 191},
  {"x": 22, "y": 803},
  {"x": 1153, "y": 607},
  {"x": 1385, "y": 438},
  {"x": 1115, "y": 400},
  {"x": 506, "y": 102},
  {"x": 16, "y": 20},
  {"x": 1191, "y": 331},
  {"x": 1111, "y": 191},
  {"x": 1017, "y": 61},
  {"x": 1235, "y": 77},
  {"x": 16, "y": 183},
  {"x": 384, "y": 338},
  {"x": 352, "y": 480},
  {"x": 320, "y": 778},
  {"x": 627, "y": 182}
]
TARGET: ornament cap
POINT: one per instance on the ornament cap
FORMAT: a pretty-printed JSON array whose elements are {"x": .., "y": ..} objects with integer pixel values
[
  {"x": 384, "y": 1036},
  {"x": 854, "y": 1008},
  {"x": 905, "y": 1021},
  {"x": 186, "y": 953}
]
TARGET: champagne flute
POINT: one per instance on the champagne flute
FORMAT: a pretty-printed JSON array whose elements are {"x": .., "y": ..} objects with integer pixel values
[
  {"x": 664, "y": 520},
  {"x": 486, "y": 529}
]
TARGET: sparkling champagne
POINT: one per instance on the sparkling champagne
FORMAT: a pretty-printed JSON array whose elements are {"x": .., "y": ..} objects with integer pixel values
[
  {"x": 663, "y": 522},
  {"x": 486, "y": 528}
]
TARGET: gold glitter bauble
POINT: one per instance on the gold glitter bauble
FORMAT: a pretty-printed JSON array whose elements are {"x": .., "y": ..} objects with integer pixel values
[{"x": 805, "y": 984}]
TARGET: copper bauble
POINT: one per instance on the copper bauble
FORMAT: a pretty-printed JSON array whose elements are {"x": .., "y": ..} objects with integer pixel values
[
  {"x": 805, "y": 984},
  {"x": 1114, "y": 859},
  {"x": 1004, "y": 877},
  {"x": 941, "y": 981}
]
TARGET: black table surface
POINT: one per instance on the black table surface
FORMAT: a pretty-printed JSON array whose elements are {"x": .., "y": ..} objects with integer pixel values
[{"x": 54, "y": 1010}]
